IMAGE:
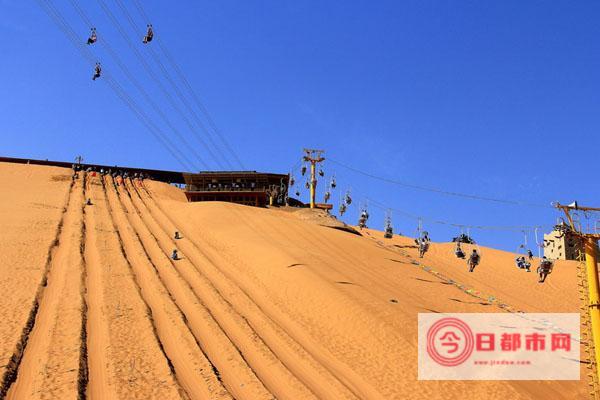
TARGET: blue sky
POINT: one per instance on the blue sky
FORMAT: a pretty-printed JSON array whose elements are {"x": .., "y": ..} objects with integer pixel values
[{"x": 496, "y": 98}]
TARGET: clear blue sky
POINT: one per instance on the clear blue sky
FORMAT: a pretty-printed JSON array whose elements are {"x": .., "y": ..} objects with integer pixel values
[{"x": 497, "y": 98}]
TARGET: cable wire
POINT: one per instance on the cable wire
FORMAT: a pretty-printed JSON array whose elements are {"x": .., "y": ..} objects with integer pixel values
[
  {"x": 439, "y": 191},
  {"x": 55, "y": 15},
  {"x": 150, "y": 72},
  {"x": 199, "y": 103},
  {"x": 131, "y": 77},
  {"x": 382, "y": 206},
  {"x": 178, "y": 92}
]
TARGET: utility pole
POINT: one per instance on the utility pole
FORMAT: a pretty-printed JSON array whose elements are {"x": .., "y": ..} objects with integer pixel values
[
  {"x": 78, "y": 160},
  {"x": 590, "y": 245},
  {"x": 313, "y": 157}
]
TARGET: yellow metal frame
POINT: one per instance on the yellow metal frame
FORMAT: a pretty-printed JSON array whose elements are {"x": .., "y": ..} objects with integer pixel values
[{"x": 590, "y": 241}]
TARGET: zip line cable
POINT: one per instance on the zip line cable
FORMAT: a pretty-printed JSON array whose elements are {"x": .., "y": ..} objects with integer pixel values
[
  {"x": 200, "y": 104},
  {"x": 122, "y": 95},
  {"x": 64, "y": 26},
  {"x": 141, "y": 115},
  {"x": 153, "y": 75},
  {"x": 187, "y": 105},
  {"x": 141, "y": 10},
  {"x": 70, "y": 34},
  {"x": 439, "y": 191},
  {"x": 117, "y": 88},
  {"x": 131, "y": 77},
  {"x": 176, "y": 89},
  {"x": 82, "y": 14},
  {"x": 192, "y": 92}
]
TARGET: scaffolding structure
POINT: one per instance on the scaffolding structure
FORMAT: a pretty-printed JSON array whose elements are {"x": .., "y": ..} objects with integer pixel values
[{"x": 589, "y": 289}]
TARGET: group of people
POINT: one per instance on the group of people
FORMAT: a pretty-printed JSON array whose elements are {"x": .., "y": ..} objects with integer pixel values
[
  {"x": 103, "y": 172},
  {"x": 233, "y": 186},
  {"x": 543, "y": 270},
  {"x": 473, "y": 259},
  {"x": 93, "y": 38},
  {"x": 175, "y": 254}
]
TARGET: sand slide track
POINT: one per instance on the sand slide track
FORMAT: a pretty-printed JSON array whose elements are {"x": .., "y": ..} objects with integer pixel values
[
  {"x": 180, "y": 347},
  {"x": 136, "y": 282},
  {"x": 51, "y": 362},
  {"x": 251, "y": 346},
  {"x": 293, "y": 355},
  {"x": 12, "y": 370},
  {"x": 303, "y": 231},
  {"x": 83, "y": 375},
  {"x": 99, "y": 384},
  {"x": 124, "y": 356},
  {"x": 284, "y": 354},
  {"x": 318, "y": 365},
  {"x": 206, "y": 335}
]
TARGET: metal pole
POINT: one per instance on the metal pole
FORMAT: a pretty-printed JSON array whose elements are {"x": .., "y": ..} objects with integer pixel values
[
  {"x": 314, "y": 157},
  {"x": 313, "y": 183},
  {"x": 591, "y": 263}
]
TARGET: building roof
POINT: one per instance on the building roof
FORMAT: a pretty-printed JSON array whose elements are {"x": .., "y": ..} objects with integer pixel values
[{"x": 157, "y": 174}]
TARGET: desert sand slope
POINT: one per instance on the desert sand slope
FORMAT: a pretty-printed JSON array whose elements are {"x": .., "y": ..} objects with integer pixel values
[
  {"x": 32, "y": 205},
  {"x": 498, "y": 275},
  {"x": 351, "y": 302},
  {"x": 51, "y": 366},
  {"x": 260, "y": 304}
]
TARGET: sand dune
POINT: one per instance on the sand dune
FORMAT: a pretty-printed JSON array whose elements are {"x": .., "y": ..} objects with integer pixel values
[{"x": 261, "y": 304}]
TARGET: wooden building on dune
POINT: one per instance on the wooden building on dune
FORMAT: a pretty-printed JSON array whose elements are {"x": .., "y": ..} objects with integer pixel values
[{"x": 243, "y": 187}]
